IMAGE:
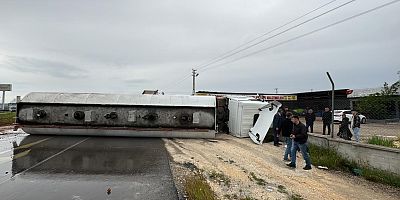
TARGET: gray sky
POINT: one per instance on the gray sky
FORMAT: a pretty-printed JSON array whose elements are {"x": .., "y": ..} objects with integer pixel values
[{"x": 128, "y": 46}]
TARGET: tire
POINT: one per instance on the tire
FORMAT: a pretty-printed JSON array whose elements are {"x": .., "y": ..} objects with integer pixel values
[{"x": 363, "y": 120}]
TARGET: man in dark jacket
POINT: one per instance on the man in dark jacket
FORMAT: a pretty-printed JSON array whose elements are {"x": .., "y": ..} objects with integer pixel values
[
  {"x": 299, "y": 137},
  {"x": 310, "y": 118},
  {"x": 287, "y": 129},
  {"x": 277, "y": 126},
  {"x": 327, "y": 120}
]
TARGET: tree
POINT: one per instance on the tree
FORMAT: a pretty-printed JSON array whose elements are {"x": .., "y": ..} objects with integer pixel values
[
  {"x": 390, "y": 90},
  {"x": 381, "y": 105}
]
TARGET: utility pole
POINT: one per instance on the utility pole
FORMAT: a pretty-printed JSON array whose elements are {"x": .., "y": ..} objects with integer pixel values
[{"x": 194, "y": 75}]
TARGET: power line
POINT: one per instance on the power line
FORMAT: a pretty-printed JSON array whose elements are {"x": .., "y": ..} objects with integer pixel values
[
  {"x": 264, "y": 34},
  {"x": 173, "y": 84},
  {"x": 275, "y": 35},
  {"x": 202, "y": 66},
  {"x": 308, "y": 33}
]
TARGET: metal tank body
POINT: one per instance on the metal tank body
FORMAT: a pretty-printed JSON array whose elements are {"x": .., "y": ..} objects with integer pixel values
[{"x": 117, "y": 115}]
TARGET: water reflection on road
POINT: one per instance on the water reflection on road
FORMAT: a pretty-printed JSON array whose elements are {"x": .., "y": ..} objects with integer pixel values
[{"x": 62, "y": 167}]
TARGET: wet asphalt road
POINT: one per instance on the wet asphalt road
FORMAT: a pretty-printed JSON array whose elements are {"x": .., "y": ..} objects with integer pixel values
[{"x": 81, "y": 168}]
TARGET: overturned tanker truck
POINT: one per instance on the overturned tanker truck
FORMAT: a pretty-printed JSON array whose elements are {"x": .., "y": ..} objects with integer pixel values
[
  {"x": 94, "y": 114},
  {"x": 117, "y": 115}
]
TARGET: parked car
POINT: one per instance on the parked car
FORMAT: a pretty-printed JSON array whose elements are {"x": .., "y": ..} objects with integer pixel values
[
  {"x": 338, "y": 116},
  {"x": 12, "y": 107}
]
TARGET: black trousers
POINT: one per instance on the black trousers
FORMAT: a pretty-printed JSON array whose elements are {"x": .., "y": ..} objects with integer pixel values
[
  {"x": 324, "y": 129},
  {"x": 311, "y": 126},
  {"x": 276, "y": 136}
]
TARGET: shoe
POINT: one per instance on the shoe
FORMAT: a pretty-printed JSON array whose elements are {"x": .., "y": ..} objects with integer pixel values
[
  {"x": 279, "y": 143},
  {"x": 307, "y": 167},
  {"x": 291, "y": 165},
  {"x": 288, "y": 160}
]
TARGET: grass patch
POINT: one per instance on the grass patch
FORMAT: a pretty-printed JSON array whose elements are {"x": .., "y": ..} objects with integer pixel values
[
  {"x": 282, "y": 189},
  {"x": 295, "y": 197},
  {"x": 331, "y": 159},
  {"x": 197, "y": 188},
  {"x": 220, "y": 178},
  {"x": 259, "y": 181},
  {"x": 7, "y": 118},
  {"x": 381, "y": 141}
]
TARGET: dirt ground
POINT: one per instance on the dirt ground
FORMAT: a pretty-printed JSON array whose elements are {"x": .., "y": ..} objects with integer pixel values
[{"x": 237, "y": 159}]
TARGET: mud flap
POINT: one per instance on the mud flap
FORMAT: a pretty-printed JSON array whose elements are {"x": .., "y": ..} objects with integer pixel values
[{"x": 264, "y": 121}]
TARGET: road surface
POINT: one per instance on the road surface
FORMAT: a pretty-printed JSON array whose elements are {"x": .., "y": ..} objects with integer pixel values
[{"x": 79, "y": 168}]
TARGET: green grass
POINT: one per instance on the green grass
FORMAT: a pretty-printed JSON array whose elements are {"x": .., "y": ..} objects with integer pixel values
[
  {"x": 220, "y": 178},
  {"x": 7, "y": 118},
  {"x": 259, "y": 181},
  {"x": 197, "y": 188},
  {"x": 331, "y": 159},
  {"x": 282, "y": 189},
  {"x": 295, "y": 197},
  {"x": 381, "y": 141}
]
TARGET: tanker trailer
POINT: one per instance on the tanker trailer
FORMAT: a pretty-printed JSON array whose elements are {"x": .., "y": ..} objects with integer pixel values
[{"x": 95, "y": 114}]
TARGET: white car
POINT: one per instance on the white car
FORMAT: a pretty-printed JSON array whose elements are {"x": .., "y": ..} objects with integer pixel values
[{"x": 338, "y": 116}]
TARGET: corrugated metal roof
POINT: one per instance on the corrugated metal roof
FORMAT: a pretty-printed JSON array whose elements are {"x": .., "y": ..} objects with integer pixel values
[{"x": 119, "y": 99}]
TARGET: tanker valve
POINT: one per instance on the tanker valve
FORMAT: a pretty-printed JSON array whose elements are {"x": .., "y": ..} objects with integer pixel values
[
  {"x": 79, "y": 115},
  {"x": 111, "y": 115},
  {"x": 41, "y": 114}
]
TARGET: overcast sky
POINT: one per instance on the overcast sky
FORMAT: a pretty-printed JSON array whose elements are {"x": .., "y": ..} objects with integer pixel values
[{"x": 128, "y": 46}]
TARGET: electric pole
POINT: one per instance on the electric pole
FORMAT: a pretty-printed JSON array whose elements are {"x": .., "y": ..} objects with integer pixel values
[{"x": 194, "y": 75}]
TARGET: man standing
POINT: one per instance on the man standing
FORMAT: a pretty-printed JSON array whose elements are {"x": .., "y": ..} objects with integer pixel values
[
  {"x": 327, "y": 120},
  {"x": 355, "y": 125},
  {"x": 310, "y": 118},
  {"x": 287, "y": 129},
  {"x": 277, "y": 125},
  {"x": 299, "y": 137}
]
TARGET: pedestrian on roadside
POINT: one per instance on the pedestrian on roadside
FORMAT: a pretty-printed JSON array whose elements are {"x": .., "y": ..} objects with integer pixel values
[
  {"x": 285, "y": 110},
  {"x": 326, "y": 121},
  {"x": 356, "y": 125},
  {"x": 310, "y": 119},
  {"x": 300, "y": 138},
  {"x": 277, "y": 126},
  {"x": 287, "y": 128},
  {"x": 344, "y": 130}
]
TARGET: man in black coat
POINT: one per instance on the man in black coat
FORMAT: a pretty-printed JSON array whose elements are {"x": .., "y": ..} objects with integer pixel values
[
  {"x": 287, "y": 129},
  {"x": 327, "y": 121},
  {"x": 277, "y": 126},
  {"x": 310, "y": 118},
  {"x": 300, "y": 138}
]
